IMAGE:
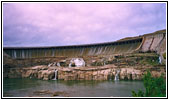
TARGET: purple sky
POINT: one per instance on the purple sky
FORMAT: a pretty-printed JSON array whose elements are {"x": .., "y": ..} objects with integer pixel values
[{"x": 54, "y": 24}]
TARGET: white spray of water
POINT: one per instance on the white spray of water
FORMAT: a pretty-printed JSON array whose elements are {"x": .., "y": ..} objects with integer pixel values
[
  {"x": 79, "y": 62},
  {"x": 116, "y": 78},
  {"x": 159, "y": 59},
  {"x": 14, "y": 54},
  {"x": 58, "y": 64},
  {"x": 55, "y": 74}
]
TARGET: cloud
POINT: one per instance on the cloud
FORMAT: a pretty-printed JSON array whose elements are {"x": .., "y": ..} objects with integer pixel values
[{"x": 44, "y": 24}]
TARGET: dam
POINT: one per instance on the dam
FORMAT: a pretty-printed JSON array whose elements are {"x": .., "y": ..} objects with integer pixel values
[
  {"x": 144, "y": 43},
  {"x": 129, "y": 57},
  {"x": 126, "y": 46}
]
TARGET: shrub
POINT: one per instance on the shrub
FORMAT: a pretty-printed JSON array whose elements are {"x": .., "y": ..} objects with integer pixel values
[
  {"x": 164, "y": 55},
  {"x": 153, "y": 61},
  {"x": 155, "y": 87}
]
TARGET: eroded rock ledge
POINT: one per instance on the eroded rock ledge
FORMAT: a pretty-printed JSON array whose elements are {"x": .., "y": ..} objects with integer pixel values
[{"x": 106, "y": 72}]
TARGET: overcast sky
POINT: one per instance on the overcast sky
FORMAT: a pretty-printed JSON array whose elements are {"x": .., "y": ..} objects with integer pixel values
[{"x": 54, "y": 24}]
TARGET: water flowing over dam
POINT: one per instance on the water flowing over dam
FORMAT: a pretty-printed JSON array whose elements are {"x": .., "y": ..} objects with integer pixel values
[
  {"x": 148, "y": 42},
  {"x": 76, "y": 50}
]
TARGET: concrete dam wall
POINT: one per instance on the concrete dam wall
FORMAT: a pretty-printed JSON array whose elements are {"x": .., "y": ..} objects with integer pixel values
[
  {"x": 75, "y": 51},
  {"x": 154, "y": 42},
  {"x": 144, "y": 43}
]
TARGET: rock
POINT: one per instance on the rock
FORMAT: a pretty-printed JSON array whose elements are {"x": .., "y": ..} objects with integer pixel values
[
  {"x": 60, "y": 93},
  {"x": 47, "y": 75},
  {"x": 52, "y": 64},
  {"x": 42, "y": 92},
  {"x": 63, "y": 63},
  {"x": 86, "y": 73}
]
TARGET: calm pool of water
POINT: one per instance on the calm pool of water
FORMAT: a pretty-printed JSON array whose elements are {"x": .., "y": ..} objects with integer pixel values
[{"x": 26, "y": 87}]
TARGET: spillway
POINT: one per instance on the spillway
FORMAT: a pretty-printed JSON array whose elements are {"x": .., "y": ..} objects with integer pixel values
[
  {"x": 152, "y": 42},
  {"x": 109, "y": 48}
]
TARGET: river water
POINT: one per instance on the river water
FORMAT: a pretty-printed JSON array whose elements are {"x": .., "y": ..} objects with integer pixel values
[{"x": 26, "y": 88}]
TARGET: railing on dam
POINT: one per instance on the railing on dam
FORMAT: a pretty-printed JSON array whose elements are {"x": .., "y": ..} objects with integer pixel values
[{"x": 125, "y": 46}]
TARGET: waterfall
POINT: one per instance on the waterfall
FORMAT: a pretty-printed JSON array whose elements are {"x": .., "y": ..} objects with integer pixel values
[
  {"x": 81, "y": 51},
  {"x": 104, "y": 63},
  {"x": 56, "y": 71},
  {"x": 58, "y": 64},
  {"x": 116, "y": 78},
  {"x": 15, "y": 54},
  {"x": 70, "y": 65},
  {"x": 79, "y": 62},
  {"x": 159, "y": 59}
]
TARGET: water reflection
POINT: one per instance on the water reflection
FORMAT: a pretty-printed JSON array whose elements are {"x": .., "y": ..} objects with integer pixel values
[{"x": 26, "y": 87}]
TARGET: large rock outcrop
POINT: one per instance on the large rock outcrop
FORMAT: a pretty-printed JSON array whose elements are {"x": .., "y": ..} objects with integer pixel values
[
  {"x": 130, "y": 67},
  {"x": 107, "y": 72}
]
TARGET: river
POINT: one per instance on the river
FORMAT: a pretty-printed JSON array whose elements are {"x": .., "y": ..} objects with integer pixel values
[{"x": 27, "y": 88}]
